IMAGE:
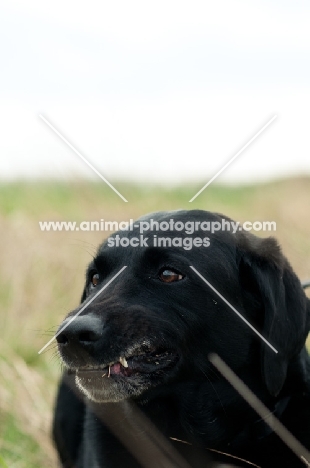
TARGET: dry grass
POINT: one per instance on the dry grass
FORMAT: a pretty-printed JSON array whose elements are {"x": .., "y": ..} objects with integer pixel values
[{"x": 41, "y": 278}]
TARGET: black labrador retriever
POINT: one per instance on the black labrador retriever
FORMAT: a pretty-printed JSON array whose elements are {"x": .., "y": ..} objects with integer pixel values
[{"x": 139, "y": 389}]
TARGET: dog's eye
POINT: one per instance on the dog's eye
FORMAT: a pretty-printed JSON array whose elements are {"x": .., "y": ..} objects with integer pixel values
[
  {"x": 94, "y": 279},
  {"x": 170, "y": 276}
]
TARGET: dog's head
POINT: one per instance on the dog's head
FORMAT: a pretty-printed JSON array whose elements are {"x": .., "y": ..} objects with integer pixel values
[{"x": 154, "y": 324}]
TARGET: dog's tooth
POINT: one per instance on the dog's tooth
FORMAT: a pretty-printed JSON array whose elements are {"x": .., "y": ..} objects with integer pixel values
[{"x": 123, "y": 361}]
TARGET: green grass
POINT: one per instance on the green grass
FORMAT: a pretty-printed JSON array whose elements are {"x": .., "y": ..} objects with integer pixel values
[
  {"x": 18, "y": 448},
  {"x": 70, "y": 199},
  {"x": 2, "y": 463},
  {"x": 42, "y": 273}
]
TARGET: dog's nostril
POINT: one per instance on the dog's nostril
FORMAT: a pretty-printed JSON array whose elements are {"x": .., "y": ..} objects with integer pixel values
[
  {"x": 62, "y": 338},
  {"x": 88, "y": 336}
]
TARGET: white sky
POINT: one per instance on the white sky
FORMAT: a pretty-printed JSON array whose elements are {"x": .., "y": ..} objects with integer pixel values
[{"x": 157, "y": 91}]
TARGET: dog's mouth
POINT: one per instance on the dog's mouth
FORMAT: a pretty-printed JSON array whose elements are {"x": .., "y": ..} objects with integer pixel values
[
  {"x": 154, "y": 361},
  {"x": 127, "y": 376}
]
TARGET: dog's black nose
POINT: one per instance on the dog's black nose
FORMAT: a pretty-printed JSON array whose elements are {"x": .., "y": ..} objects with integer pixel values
[{"x": 82, "y": 330}]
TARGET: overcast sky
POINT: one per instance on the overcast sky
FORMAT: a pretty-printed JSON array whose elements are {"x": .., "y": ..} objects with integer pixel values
[{"x": 158, "y": 91}]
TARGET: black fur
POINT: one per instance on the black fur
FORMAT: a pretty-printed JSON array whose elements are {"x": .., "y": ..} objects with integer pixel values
[{"x": 166, "y": 331}]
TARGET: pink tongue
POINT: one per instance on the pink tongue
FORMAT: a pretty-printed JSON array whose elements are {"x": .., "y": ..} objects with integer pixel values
[{"x": 116, "y": 368}]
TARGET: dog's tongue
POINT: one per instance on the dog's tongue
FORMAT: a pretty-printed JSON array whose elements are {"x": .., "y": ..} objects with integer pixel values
[{"x": 116, "y": 368}]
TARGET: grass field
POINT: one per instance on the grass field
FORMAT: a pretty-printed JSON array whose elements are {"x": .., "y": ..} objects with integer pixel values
[{"x": 42, "y": 273}]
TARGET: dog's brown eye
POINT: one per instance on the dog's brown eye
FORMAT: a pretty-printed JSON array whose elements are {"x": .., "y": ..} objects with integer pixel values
[
  {"x": 94, "y": 279},
  {"x": 170, "y": 276}
]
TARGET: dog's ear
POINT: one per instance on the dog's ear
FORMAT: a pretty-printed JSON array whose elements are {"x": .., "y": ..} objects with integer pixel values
[{"x": 277, "y": 294}]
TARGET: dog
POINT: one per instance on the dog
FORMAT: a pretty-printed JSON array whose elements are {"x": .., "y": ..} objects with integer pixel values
[{"x": 139, "y": 389}]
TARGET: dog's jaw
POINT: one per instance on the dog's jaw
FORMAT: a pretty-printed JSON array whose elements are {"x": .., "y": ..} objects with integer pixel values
[
  {"x": 127, "y": 377},
  {"x": 102, "y": 389}
]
